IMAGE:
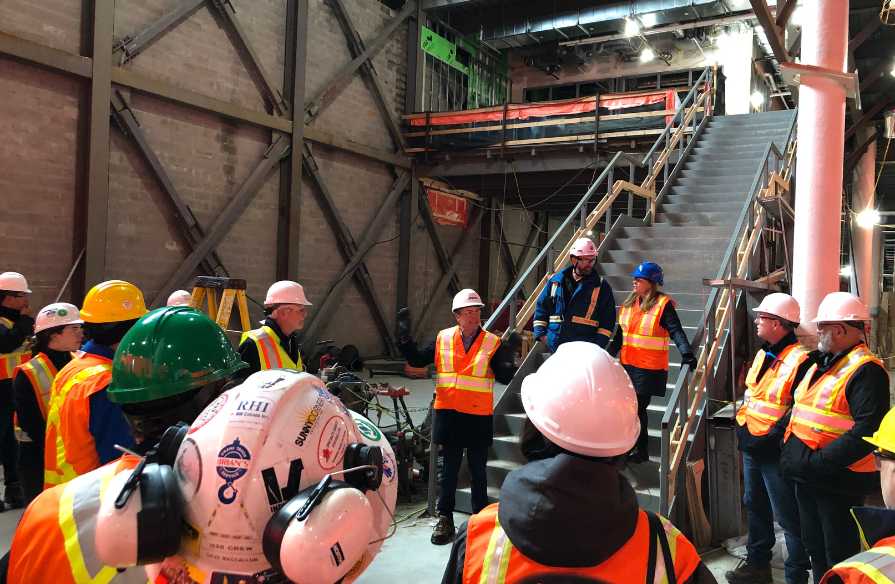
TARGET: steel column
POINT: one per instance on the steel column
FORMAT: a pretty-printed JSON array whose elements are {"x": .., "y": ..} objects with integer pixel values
[
  {"x": 405, "y": 252},
  {"x": 413, "y": 88}
]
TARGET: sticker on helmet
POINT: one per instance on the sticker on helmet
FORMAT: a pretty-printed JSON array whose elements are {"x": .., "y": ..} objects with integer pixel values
[
  {"x": 337, "y": 554},
  {"x": 356, "y": 568},
  {"x": 368, "y": 430},
  {"x": 276, "y": 496},
  {"x": 389, "y": 468},
  {"x": 308, "y": 420},
  {"x": 253, "y": 411},
  {"x": 333, "y": 440},
  {"x": 177, "y": 570},
  {"x": 190, "y": 537},
  {"x": 208, "y": 413},
  {"x": 323, "y": 393},
  {"x": 228, "y": 578},
  {"x": 232, "y": 464},
  {"x": 62, "y": 312},
  {"x": 188, "y": 469},
  {"x": 127, "y": 304}
]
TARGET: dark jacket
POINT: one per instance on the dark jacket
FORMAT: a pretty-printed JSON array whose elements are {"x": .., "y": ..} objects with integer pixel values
[
  {"x": 875, "y": 525},
  {"x": 654, "y": 381},
  {"x": 31, "y": 420},
  {"x": 564, "y": 512},
  {"x": 602, "y": 320},
  {"x": 769, "y": 444},
  {"x": 10, "y": 340},
  {"x": 867, "y": 393},
  {"x": 107, "y": 424},
  {"x": 453, "y": 428},
  {"x": 248, "y": 350}
]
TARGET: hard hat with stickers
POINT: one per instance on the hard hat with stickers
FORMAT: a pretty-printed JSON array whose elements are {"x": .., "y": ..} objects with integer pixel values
[{"x": 259, "y": 490}]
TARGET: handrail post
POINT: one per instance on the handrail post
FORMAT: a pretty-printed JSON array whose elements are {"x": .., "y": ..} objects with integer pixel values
[
  {"x": 550, "y": 260},
  {"x": 583, "y": 217},
  {"x": 512, "y": 322}
]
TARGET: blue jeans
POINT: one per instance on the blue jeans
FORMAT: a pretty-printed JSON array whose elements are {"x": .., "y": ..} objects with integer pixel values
[
  {"x": 477, "y": 460},
  {"x": 767, "y": 496}
]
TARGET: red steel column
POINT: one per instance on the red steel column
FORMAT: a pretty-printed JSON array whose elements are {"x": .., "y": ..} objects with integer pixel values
[{"x": 862, "y": 237}]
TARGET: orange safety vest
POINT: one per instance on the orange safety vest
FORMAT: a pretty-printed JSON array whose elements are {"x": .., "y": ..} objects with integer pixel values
[
  {"x": 645, "y": 342},
  {"x": 10, "y": 361},
  {"x": 771, "y": 397},
  {"x": 40, "y": 372},
  {"x": 492, "y": 559},
  {"x": 270, "y": 352},
  {"x": 821, "y": 414},
  {"x": 465, "y": 381},
  {"x": 56, "y": 538},
  {"x": 875, "y": 566},
  {"x": 70, "y": 448}
]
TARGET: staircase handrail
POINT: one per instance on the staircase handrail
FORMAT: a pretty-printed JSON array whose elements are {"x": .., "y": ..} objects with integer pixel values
[
  {"x": 686, "y": 402},
  {"x": 687, "y": 113}
]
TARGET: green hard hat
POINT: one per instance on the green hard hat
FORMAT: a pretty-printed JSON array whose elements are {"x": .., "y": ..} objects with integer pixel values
[{"x": 170, "y": 351}]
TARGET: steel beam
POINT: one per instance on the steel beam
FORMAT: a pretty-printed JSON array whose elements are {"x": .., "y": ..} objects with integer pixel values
[
  {"x": 133, "y": 46},
  {"x": 864, "y": 34},
  {"x": 868, "y": 116},
  {"x": 315, "y": 106},
  {"x": 883, "y": 66},
  {"x": 413, "y": 87},
  {"x": 370, "y": 239},
  {"x": 852, "y": 160},
  {"x": 445, "y": 279},
  {"x": 344, "y": 144},
  {"x": 485, "y": 251},
  {"x": 36, "y": 54},
  {"x": 254, "y": 63},
  {"x": 508, "y": 259},
  {"x": 356, "y": 48},
  {"x": 444, "y": 260},
  {"x": 405, "y": 253},
  {"x": 349, "y": 250},
  {"x": 523, "y": 255},
  {"x": 226, "y": 219},
  {"x": 785, "y": 12},
  {"x": 98, "y": 144},
  {"x": 192, "y": 231},
  {"x": 796, "y": 46},
  {"x": 771, "y": 30}
]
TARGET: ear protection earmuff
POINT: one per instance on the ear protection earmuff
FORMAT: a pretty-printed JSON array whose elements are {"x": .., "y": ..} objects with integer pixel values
[
  {"x": 169, "y": 445},
  {"x": 359, "y": 454}
]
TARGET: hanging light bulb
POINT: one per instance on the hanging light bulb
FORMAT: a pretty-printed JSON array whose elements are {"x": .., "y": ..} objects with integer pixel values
[
  {"x": 647, "y": 55},
  {"x": 868, "y": 218},
  {"x": 756, "y": 99},
  {"x": 631, "y": 27}
]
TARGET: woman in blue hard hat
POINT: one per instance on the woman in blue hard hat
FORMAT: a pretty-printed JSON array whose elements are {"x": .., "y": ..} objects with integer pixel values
[{"x": 648, "y": 321}]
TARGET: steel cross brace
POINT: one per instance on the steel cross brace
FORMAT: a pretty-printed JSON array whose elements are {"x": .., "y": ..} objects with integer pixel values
[
  {"x": 130, "y": 47},
  {"x": 226, "y": 219},
  {"x": 349, "y": 249},
  {"x": 441, "y": 251},
  {"x": 370, "y": 239},
  {"x": 509, "y": 260},
  {"x": 192, "y": 231},
  {"x": 356, "y": 48},
  {"x": 520, "y": 261}
]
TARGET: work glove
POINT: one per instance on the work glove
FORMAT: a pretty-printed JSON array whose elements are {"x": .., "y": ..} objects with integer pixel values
[
  {"x": 403, "y": 326},
  {"x": 689, "y": 359}
]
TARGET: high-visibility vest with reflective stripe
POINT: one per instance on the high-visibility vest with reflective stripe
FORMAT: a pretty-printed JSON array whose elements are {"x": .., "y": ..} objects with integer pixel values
[
  {"x": 820, "y": 413},
  {"x": 56, "y": 538},
  {"x": 492, "y": 559},
  {"x": 587, "y": 319},
  {"x": 465, "y": 381},
  {"x": 875, "y": 566},
  {"x": 40, "y": 372},
  {"x": 645, "y": 342},
  {"x": 10, "y": 361},
  {"x": 270, "y": 352},
  {"x": 771, "y": 397},
  {"x": 70, "y": 448}
]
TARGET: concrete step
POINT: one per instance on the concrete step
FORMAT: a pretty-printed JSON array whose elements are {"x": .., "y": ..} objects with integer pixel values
[
  {"x": 674, "y": 231},
  {"x": 464, "y": 498},
  {"x": 509, "y": 424},
  {"x": 662, "y": 257},
  {"x": 685, "y": 196},
  {"x": 727, "y": 165},
  {"x": 733, "y": 192},
  {"x": 497, "y": 470},
  {"x": 735, "y": 183},
  {"x": 728, "y": 152},
  {"x": 698, "y": 219},
  {"x": 735, "y": 174},
  {"x": 657, "y": 244},
  {"x": 507, "y": 448},
  {"x": 688, "y": 207}
]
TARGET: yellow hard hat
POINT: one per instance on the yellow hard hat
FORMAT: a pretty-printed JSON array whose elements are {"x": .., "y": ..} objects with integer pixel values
[
  {"x": 884, "y": 438},
  {"x": 113, "y": 301}
]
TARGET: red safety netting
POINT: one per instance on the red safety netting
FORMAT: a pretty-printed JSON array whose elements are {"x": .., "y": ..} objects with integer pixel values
[{"x": 580, "y": 105}]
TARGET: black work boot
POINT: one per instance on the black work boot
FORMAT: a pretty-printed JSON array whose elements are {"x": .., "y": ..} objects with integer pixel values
[
  {"x": 638, "y": 454},
  {"x": 750, "y": 574},
  {"x": 444, "y": 531},
  {"x": 14, "y": 495}
]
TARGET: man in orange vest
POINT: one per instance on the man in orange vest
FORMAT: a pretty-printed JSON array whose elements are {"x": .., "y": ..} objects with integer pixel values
[
  {"x": 83, "y": 425},
  {"x": 778, "y": 368},
  {"x": 274, "y": 345},
  {"x": 167, "y": 369},
  {"x": 16, "y": 326},
  {"x": 877, "y": 526},
  {"x": 569, "y": 515},
  {"x": 842, "y": 400},
  {"x": 468, "y": 360}
]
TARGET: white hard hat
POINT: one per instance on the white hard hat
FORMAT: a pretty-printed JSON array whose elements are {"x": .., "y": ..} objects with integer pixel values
[
  {"x": 782, "y": 305},
  {"x": 465, "y": 298},
  {"x": 582, "y": 400},
  {"x": 286, "y": 292},
  {"x": 583, "y": 247},
  {"x": 58, "y": 314},
  {"x": 13, "y": 282},
  {"x": 247, "y": 455},
  {"x": 842, "y": 307},
  {"x": 179, "y": 298}
]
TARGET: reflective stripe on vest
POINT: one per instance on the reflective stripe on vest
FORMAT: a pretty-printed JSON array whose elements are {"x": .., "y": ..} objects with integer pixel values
[
  {"x": 645, "y": 342},
  {"x": 588, "y": 319},
  {"x": 10, "y": 361},
  {"x": 270, "y": 351},
  {"x": 771, "y": 397},
  {"x": 877, "y": 564},
  {"x": 41, "y": 372},
  {"x": 64, "y": 471},
  {"x": 465, "y": 381},
  {"x": 820, "y": 413}
]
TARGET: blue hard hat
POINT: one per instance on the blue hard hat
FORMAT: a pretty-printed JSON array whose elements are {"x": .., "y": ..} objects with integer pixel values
[{"x": 650, "y": 271}]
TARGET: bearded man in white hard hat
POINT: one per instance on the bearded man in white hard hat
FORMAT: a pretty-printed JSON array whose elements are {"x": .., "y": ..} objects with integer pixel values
[
  {"x": 842, "y": 400},
  {"x": 468, "y": 360},
  {"x": 274, "y": 345},
  {"x": 777, "y": 370},
  {"x": 576, "y": 304}
]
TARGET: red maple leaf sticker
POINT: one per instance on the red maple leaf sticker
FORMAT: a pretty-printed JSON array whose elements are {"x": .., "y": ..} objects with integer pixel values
[{"x": 327, "y": 453}]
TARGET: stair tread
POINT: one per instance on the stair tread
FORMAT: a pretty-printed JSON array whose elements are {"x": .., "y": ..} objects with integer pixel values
[{"x": 507, "y": 464}]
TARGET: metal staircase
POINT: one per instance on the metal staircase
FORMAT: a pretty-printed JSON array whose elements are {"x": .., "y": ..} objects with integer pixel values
[{"x": 707, "y": 204}]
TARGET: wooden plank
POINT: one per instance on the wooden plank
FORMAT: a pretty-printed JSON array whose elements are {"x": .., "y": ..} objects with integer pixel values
[{"x": 637, "y": 190}]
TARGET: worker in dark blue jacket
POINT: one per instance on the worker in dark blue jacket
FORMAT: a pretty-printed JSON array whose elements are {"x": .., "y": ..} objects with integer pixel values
[{"x": 576, "y": 304}]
